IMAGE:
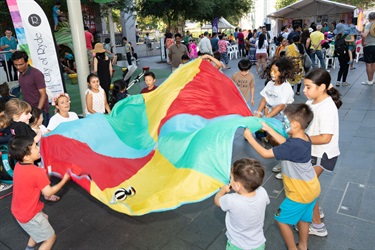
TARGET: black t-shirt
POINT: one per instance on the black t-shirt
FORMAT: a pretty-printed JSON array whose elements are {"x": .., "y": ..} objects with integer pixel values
[
  {"x": 121, "y": 96},
  {"x": 21, "y": 129}
]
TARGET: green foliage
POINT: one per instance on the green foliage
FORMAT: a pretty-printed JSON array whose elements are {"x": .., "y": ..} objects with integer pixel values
[
  {"x": 198, "y": 10},
  {"x": 6, "y": 20},
  {"x": 362, "y": 4},
  {"x": 63, "y": 36},
  {"x": 283, "y": 3}
]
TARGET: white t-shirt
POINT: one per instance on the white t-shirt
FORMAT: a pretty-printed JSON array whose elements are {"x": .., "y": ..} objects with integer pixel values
[
  {"x": 244, "y": 218},
  {"x": 205, "y": 46},
  {"x": 263, "y": 49},
  {"x": 326, "y": 121},
  {"x": 276, "y": 95},
  {"x": 97, "y": 101},
  {"x": 57, "y": 119}
]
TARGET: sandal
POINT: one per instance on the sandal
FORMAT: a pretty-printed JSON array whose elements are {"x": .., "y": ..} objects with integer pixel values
[
  {"x": 298, "y": 244},
  {"x": 52, "y": 198},
  {"x": 352, "y": 68}
]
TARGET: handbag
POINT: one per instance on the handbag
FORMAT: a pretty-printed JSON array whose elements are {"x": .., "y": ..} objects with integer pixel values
[{"x": 307, "y": 63}]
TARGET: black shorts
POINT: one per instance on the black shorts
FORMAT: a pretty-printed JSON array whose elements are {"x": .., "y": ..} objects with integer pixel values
[
  {"x": 324, "y": 162},
  {"x": 369, "y": 54}
]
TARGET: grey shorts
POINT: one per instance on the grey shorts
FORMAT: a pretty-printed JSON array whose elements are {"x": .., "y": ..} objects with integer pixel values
[
  {"x": 38, "y": 228},
  {"x": 90, "y": 55},
  {"x": 324, "y": 162}
]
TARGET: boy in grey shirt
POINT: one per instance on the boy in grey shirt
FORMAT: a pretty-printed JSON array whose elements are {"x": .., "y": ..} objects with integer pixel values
[{"x": 245, "y": 209}]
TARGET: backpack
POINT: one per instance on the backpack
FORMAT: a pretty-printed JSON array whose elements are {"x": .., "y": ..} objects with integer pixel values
[
  {"x": 341, "y": 48},
  {"x": 6, "y": 165},
  {"x": 279, "y": 38}
]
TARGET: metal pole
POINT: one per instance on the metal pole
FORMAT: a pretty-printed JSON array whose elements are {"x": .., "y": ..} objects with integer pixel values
[
  {"x": 110, "y": 24},
  {"x": 79, "y": 45},
  {"x": 6, "y": 64}
]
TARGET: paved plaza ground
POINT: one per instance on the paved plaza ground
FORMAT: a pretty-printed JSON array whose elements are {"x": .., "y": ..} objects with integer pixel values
[{"x": 348, "y": 194}]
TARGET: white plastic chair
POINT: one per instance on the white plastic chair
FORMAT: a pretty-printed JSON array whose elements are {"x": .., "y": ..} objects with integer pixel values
[
  {"x": 231, "y": 52},
  {"x": 329, "y": 56},
  {"x": 236, "y": 51},
  {"x": 359, "y": 52}
]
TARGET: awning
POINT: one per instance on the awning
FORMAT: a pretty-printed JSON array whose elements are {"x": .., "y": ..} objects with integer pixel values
[
  {"x": 223, "y": 24},
  {"x": 306, "y": 8}
]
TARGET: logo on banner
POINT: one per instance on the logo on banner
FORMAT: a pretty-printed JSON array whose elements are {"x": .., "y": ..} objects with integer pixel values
[{"x": 34, "y": 20}]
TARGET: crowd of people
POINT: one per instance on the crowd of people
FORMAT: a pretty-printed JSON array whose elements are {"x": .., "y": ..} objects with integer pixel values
[{"x": 313, "y": 128}]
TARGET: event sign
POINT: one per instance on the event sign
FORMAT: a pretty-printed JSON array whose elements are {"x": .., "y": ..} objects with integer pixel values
[{"x": 35, "y": 38}]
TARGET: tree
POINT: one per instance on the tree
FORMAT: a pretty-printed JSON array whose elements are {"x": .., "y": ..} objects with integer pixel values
[
  {"x": 362, "y": 4},
  {"x": 6, "y": 20},
  {"x": 197, "y": 10},
  {"x": 283, "y": 3}
]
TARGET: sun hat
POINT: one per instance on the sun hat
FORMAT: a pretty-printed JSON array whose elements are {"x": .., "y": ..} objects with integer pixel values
[
  {"x": 340, "y": 28},
  {"x": 352, "y": 30},
  {"x": 99, "y": 48}
]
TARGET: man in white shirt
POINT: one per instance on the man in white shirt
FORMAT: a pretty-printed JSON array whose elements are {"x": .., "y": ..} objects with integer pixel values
[{"x": 205, "y": 45}]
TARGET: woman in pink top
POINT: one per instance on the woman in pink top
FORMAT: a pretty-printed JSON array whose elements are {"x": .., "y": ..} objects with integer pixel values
[{"x": 193, "y": 52}]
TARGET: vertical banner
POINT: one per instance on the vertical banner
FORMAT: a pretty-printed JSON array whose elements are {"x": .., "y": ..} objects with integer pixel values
[
  {"x": 215, "y": 25},
  {"x": 35, "y": 38},
  {"x": 360, "y": 20}
]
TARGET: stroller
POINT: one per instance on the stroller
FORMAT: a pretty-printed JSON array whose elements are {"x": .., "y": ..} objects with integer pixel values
[{"x": 116, "y": 93}]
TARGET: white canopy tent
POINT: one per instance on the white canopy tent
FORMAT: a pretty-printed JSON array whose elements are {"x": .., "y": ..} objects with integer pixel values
[
  {"x": 223, "y": 24},
  {"x": 309, "y": 10},
  {"x": 305, "y": 8}
]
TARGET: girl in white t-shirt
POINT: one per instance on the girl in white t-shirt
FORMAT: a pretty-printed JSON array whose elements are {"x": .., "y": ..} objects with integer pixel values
[
  {"x": 62, "y": 114},
  {"x": 96, "y": 98},
  {"x": 278, "y": 92},
  {"x": 324, "y": 101},
  {"x": 261, "y": 46}
]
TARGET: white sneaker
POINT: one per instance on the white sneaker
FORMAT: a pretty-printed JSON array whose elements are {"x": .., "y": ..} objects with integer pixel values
[
  {"x": 321, "y": 232},
  {"x": 4, "y": 186},
  {"x": 321, "y": 214},
  {"x": 277, "y": 168},
  {"x": 279, "y": 176},
  {"x": 370, "y": 83}
]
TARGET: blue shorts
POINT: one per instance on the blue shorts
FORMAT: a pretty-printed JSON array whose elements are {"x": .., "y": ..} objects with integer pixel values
[
  {"x": 56, "y": 20},
  {"x": 291, "y": 212}
]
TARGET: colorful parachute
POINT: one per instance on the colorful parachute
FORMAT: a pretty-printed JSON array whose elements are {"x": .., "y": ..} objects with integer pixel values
[{"x": 159, "y": 150}]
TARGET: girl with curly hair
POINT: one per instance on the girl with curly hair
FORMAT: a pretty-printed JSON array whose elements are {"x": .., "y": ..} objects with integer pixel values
[{"x": 278, "y": 92}]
